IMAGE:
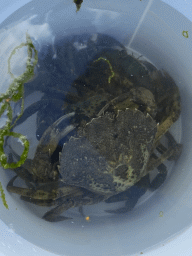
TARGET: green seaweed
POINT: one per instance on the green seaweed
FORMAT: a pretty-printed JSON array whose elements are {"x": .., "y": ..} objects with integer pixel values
[
  {"x": 3, "y": 197},
  {"x": 14, "y": 93},
  {"x": 78, "y": 4},
  {"x": 185, "y": 34},
  {"x": 111, "y": 69}
]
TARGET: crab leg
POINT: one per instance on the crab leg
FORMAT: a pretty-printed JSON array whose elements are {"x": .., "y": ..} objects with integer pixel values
[
  {"x": 161, "y": 176},
  {"x": 21, "y": 172},
  {"x": 33, "y": 108},
  {"x": 54, "y": 214},
  {"x": 171, "y": 143},
  {"x": 171, "y": 154},
  {"x": 154, "y": 163},
  {"x": 131, "y": 196},
  {"x": 50, "y": 202},
  {"x": 167, "y": 123},
  {"x": 42, "y": 194}
]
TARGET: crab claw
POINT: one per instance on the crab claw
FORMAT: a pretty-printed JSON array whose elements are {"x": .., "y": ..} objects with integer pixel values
[
  {"x": 41, "y": 165},
  {"x": 54, "y": 214},
  {"x": 54, "y": 134}
]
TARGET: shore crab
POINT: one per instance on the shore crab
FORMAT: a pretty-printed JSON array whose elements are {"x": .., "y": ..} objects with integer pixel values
[{"x": 112, "y": 129}]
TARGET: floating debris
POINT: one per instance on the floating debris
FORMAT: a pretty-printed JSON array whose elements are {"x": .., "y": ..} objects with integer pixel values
[
  {"x": 185, "y": 34},
  {"x": 87, "y": 218},
  {"x": 160, "y": 214},
  {"x": 78, "y": 4}
]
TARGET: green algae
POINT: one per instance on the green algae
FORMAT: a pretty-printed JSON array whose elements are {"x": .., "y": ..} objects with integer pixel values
[
  {"x": 3, "y": 197},
  {"x": 110, "y": 66},
  {"x": 15, "y": 93},
  {"x": 185, "y": 34}
]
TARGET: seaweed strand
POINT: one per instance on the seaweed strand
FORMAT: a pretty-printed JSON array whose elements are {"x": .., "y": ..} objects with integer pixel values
[
  {"x": 111, "y": 69},
  {"x": 3, "y": 197},
  {"x": 14, "y": 93}
]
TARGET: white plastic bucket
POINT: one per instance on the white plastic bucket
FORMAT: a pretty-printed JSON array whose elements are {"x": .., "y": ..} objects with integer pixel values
[{"x": 155, "y": 30}]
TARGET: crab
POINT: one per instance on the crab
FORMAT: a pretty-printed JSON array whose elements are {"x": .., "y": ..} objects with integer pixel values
[{"x": 112, "y": 129}]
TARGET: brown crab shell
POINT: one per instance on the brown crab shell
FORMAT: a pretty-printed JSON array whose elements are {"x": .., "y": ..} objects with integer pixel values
[{"x": 110, "y": 154}]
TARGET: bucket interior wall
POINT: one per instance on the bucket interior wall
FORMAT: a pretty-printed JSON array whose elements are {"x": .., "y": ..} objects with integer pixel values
[{"x": 155, "y": 30}]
